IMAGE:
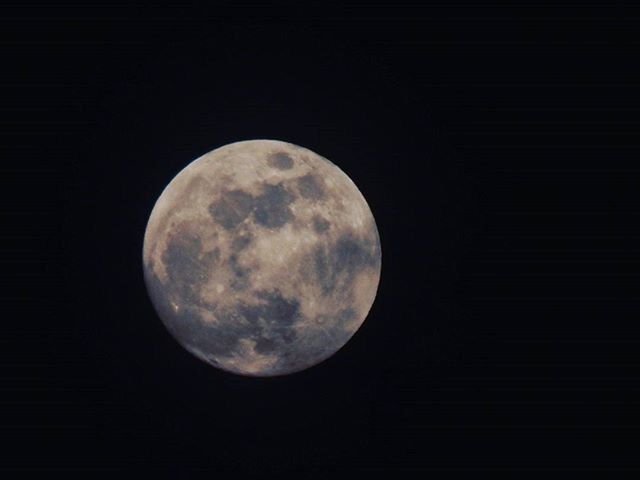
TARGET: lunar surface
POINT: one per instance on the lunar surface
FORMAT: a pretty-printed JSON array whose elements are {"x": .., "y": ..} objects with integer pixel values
[{"x": 262, "y": 258}]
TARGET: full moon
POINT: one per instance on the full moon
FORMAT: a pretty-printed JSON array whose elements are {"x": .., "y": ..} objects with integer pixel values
[{"x": 262, "y": 258}]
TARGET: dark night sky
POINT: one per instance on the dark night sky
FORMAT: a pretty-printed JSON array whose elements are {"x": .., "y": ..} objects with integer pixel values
[{"x": 498, "y": 150}]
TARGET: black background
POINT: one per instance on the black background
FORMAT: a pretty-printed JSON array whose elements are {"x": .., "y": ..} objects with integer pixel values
[{"x": 498, "y": 150}]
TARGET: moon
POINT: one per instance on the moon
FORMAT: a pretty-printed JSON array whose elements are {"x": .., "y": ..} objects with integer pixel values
[{"x": 262, "y": 258}]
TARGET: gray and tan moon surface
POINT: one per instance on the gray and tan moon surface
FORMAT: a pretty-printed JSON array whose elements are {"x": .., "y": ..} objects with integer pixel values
[{"x": 262, "y": 258}]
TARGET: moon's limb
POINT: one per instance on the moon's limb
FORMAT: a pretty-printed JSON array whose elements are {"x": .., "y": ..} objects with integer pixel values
[{"x": 262, "y": 258}]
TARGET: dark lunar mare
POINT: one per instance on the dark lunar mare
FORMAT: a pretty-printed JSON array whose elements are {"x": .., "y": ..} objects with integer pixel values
[
  {"x": 270, "y": 209},
  {"x": 186, "y": 265},
  {"x": 272, "y": 206},
  {"x": 310, "y": 186},
  {"x": 320, "y": 225},
  {"x": 343, "y": 260},
  {"x": 269, "y": 322},
  {"x": 241, "y": 279},
  {"x": 319, "y": 346},
  {"x": 280, "y": 160},
  {"x": 275, "y": 315},
  {"x": 232, "y": 208},
  {"x": 240, "y": 242}
]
